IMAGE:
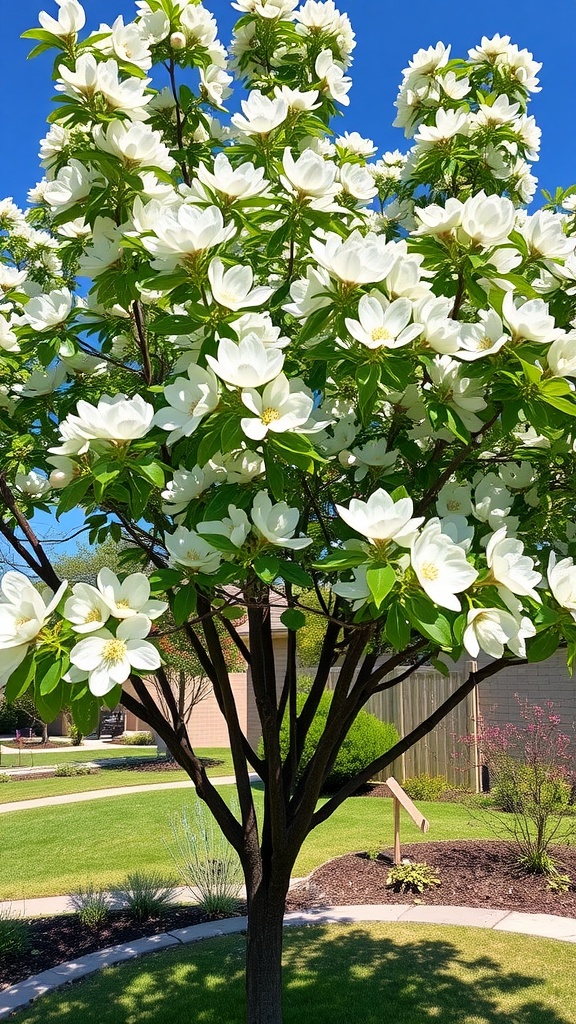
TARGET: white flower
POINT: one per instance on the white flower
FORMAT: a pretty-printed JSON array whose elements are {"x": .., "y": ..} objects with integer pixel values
[
  {"x": 214, "y": 83},
  {"x": 373, "y": 455},
  {"x": 23, "y": 613},
  {"x": 492, "y": 501},
  {"x": 440, "y": 566},
  {"x": 8, "y": 340},
  {"x": 46, "y": 311},
  {"x": 283, "y": 405},
  {"x": 448, "y": 124},
  {"x": 491, "y": 629},
  {"x": 91, "y": 76},
  {"x": 136, "y": 145},
  {"x": 250, "y": 364},
  {"x": 309, "y": 175},
  {"x": 545, "y": 236},
  {"x": 561, "y": 356},
  {"x": 243, "y": 182},
  {"x": 333, "y": 81},
  {"x": 71, "y": 18},
  {"x": 42, "y": 382},
  {"x": 236, "y": 526},
  {"x": 382, "y": 325},
  {"x": 357, "y": 182},
  {"x": 64, "y": 472},
  {"x": 487, "y": 220},
  {"x": 126, "y": 42},
  {"x": 297, "y": 99},
  {"x": 186, "y": 547},
  {"x": 510, "y": 567},
  {"x": 244, "y": 467},
  {"x": 185, "y": 232},
  {"x": 357, "y": 259},
  {"x": 189, "y": 401},
  {"x": 185, "y": 485},
  {"x": 106, "y": 248},
  {"x": 129, "y": 597},
  {"x": 357, "y": 590},
  {"x": 483, "y": 339},
  {"x": 437, "y": 329},
  {"x": 261, "y": 325},
  {"x": 118, "y": 419},
  {"x": 355, "y": 145},
  {"x": 260, "y": 114},
  {"x": 460, "y": 393},
  {"x": 562, "y": 582},
  {"x": 73, "y": 183},
  {"x": 308, "y": 294},
  {"x": 381, "y": 518},
  {"x": 233, "y": 289},
  {"x": 277, "y": 523},
  {"x": 516, "y": 476},
  {"x": 439, "y": 220},
  {"x": 454, "y": 499},
  {"x": 108, "y": 660},
  {"x": 32, "y": 484},
  {"x": 86, "y": 610},
  {"x": 271, "y": 10},
  {"x": 529, "y": 320}
]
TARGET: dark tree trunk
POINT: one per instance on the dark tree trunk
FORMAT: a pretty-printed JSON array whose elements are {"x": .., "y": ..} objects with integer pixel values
[{"x": 264, "y": 955}]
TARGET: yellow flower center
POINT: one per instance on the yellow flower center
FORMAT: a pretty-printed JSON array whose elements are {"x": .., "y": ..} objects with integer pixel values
[
  {"x": 485, "y": 343},
  {"x": 380, "y": 334},
  {"x": 94, "y": 615},
  {"x": 453, "y": 506},
  {"x": 430, "y": 571},
  {"x": 270, "y": 416},
  {"x": 193, "y": 555},
  {"x": 114, "y": 651},
  {"x": 22, "y": 622},
  {"x": 124, "y": 603}
]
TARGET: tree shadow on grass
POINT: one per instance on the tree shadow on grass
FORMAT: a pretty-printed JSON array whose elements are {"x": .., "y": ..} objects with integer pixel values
[{"x": 395, "y": 974}]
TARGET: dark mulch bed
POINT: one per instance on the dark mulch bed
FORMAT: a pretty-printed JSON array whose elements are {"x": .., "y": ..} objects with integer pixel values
[
  {"x": 474, "y": 874},
  {"x": 149, "y": 764},
  {"x": 32, "y": 744},
  {"x": 54, "y": 940}
]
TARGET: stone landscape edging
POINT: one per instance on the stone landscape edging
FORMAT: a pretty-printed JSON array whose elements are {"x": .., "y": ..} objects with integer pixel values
[{"x": 542, "y": 925}]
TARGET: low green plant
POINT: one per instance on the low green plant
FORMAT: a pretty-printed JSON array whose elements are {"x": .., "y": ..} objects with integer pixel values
[
  {"x": 146, "y": 894},
  {"x": 425, "y": 787},
  {"x": 69, "y": 771},
  {"x": 557, "y": 882},
  {"x": 14, "y": 935},
  {"x": 412, "y": 877},
  {"x": 205, "y": 861},
  {"x": 92, "y": 905},
  {"x": 76, "y": 737},
  {"x": 137, "y": 739},
  {"x": 4, "y": 777}
]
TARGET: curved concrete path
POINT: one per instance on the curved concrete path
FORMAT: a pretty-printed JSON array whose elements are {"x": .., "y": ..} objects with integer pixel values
[
  {"x": 543, "y": 925},
  {"x": 100, "y": 794}
]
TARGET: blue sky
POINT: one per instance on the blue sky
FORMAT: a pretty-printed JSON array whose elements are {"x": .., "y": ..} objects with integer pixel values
[{"x": 386, "y": 42}]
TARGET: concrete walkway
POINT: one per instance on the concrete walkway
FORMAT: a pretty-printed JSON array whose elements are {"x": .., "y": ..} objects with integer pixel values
[
  {"x": 544, "y": 925},
  {"x": 100, "y": 794}
]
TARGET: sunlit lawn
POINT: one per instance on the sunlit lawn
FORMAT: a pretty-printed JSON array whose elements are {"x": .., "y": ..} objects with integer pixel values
[
  {"x": 369, "y": 973},
  {"x": 31, "y": 758},
  {"x": 107, "y": 778},
  {"x": 51, "y": 851}
]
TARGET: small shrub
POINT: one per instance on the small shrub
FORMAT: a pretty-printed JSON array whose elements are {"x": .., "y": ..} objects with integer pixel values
[
  {"x": 92, "y": 906},
  {"x": 558, "y": 882},
  {"x": 137, "y": 739},
  {"x": 76, "y": 736},
  {"x": 425, "y": 787},
  {"x": 409, "y": 877},
  {"x": 4, "y": 778},
  {"x": 146, "y": 894},
  {"x": 205, "y": 861},
  {"x": 14, "y": 935},
  {"x": 367, "y": 739},
  {"x": 68, "y": 771}
]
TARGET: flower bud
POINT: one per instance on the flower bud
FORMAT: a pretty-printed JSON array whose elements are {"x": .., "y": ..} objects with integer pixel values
[{"x": 178, "y": 41}]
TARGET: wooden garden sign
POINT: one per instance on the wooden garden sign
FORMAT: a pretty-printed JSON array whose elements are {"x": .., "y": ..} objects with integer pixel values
[{"x": 401, "y": 799}]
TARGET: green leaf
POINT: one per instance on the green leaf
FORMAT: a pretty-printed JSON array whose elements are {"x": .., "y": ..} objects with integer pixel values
[
  {"x": 72, "y": 495},
  {"x": 105, "y": 472},
  {"x": 397, "y": 627},
  {"x": 184, "y": 604},
  {"x": 293, "y": 573},
  {"x": 267, "y": 568},
  {"x": 233, "y": 613},
  {"x": 440, "y": 667},
  {"x": 162, "y": 580},
  {"x": 367, "y": 381},
  {"x": 344, "y": 559},
  {"x": 429, "y": 621},
  {"x": 85, "y": 713},
  {"x": 274, "y": 475},
  {"x": 293, "y": 619},
  {"x": 316, "y": 324},
  {"x": 231, "y": 436},
  {"x": 21, "y": 678},
  {"x": 542, "y": 646},
  {"x": 49, "y": 704},
  {"x": 50, "y": 679},
  {"x": 151, "y": 471},
  {"x": 113, "y": 698},
  {"x": 380, "y": 582},
  {"x": 399, "y": 492},
  {"x": 221, "y": 543},
  {"x": 278, "y": 238}
]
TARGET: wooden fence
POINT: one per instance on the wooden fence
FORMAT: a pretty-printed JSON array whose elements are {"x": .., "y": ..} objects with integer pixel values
[{"x": 441, "y": 752}]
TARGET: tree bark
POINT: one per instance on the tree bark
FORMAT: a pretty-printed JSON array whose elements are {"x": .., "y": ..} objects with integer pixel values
[{"x": 264, "y": 954}]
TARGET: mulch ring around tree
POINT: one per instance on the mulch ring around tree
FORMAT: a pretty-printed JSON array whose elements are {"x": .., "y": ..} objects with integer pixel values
[
  {"x": 54, "y": 940},
  {"x": 472, "y": 874}
]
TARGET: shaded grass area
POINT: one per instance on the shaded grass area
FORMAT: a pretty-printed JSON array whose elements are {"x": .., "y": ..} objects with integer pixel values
[
  {"x": 108, "y": 778},
  {"x": 100, "y": 841},
  {"x": 373, "y": 973}
]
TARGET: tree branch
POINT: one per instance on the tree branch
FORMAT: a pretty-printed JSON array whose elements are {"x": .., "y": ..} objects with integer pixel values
[{"x": 41, "y": 563}]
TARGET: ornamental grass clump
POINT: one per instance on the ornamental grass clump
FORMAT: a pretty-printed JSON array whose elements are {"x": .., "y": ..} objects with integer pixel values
[
  {"x": 146, "y": 894},
  {"x": 14, "y": 935},
  {"x": 92, "y": 905},
  {"x": 205, "y": 861}
]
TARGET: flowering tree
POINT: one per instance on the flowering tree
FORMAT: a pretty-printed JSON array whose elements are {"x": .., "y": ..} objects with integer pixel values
[{"x": 295, "y": 369}]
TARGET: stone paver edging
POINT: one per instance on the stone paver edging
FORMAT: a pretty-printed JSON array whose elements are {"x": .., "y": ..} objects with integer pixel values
[{"x": 543, "y": 925}]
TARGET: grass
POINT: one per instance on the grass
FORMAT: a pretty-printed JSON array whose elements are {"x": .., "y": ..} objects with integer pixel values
[
  {"x": 107, "y": 778},
  {"x": 38, "y": 758},
  {"x": 373, "y": 973},
  {"x": 100, "y": 841}
]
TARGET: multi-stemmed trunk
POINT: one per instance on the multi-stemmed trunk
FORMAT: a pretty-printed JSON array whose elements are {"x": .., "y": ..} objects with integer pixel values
[{"x": 264, "y": 953}]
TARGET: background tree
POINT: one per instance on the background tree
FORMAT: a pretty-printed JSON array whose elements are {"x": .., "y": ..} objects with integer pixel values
[{"x": 273, "y": 388}]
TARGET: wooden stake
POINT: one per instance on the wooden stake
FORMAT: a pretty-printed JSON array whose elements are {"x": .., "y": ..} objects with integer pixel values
[{"x": 396, "y": 830}]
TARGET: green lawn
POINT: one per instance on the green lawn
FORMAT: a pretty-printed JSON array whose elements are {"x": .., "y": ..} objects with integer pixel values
[
  {"x": 345, "y": 974},
  {"x": 50, "y": 851},
  {"x": 107, "y": 778},
  {"x": 37, "y": 758}
]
